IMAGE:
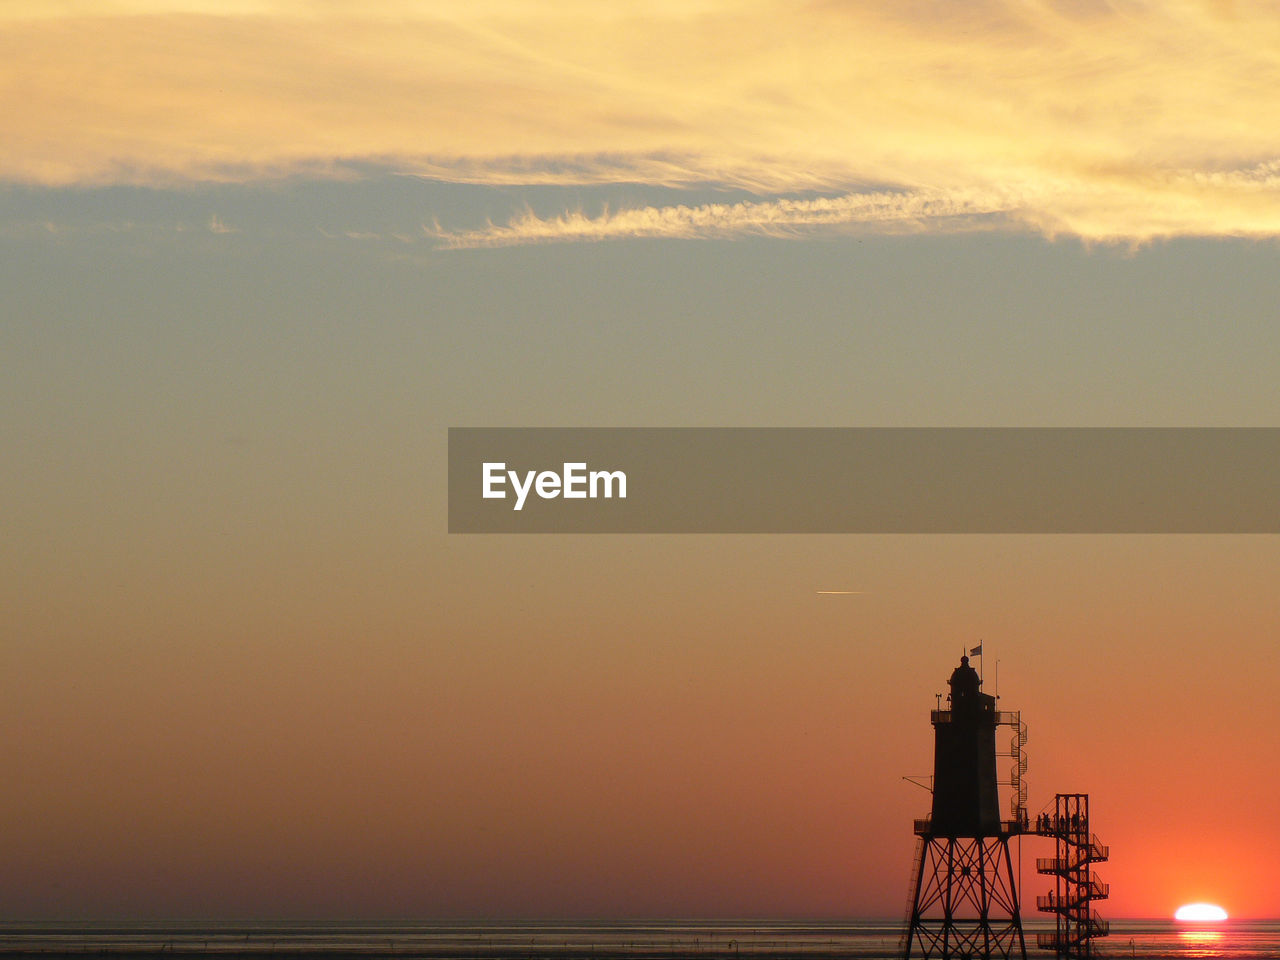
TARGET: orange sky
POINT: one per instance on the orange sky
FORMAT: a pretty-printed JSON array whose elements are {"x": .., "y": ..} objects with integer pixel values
[{"x": 651, "y": 726}]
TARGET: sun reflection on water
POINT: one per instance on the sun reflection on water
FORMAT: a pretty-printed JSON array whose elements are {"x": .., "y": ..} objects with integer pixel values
[{"x": 1201, "y": 943}]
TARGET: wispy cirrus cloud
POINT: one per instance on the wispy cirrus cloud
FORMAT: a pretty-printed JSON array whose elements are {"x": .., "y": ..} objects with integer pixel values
[
  {"x": 1173, "y": 203},
  {"x": 772, "y": 218},
  {"x": 1121, "y": 120}
]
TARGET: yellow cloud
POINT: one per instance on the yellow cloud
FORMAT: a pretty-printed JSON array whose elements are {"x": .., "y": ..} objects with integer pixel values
[
  {"x": 775, "y": 218},
  {"x": 1120, "y": 120}
]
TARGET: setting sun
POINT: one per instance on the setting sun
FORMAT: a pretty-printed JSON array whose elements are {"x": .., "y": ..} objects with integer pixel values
[{"x": 1200, "y": 913}]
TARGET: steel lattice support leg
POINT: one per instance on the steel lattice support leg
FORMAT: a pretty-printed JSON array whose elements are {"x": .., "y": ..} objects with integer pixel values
[{"x": 965, "y": 901}]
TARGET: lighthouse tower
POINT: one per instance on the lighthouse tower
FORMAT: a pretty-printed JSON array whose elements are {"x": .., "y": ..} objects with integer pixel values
[{"x": 965, "y": 896}]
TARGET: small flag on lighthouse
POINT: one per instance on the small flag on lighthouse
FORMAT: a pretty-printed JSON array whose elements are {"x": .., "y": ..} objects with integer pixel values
[{"x": 976, "y": 651}]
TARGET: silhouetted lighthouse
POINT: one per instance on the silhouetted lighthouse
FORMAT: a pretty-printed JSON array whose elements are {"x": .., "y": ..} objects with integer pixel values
[
  {"x": 965, "y": 802},
  {"x": 965, "y": 897}
]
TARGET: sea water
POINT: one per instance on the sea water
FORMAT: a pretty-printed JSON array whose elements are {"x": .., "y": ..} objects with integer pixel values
[{"x": 601, "y": 940}]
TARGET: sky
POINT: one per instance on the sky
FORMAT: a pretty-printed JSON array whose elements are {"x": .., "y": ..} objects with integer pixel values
[{"x": 258, "y": 257}]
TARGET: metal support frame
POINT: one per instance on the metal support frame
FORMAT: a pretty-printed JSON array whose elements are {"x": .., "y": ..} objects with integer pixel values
[
  {"x": 965, "y": 900},
  {"x": 1075, "y": 886}
]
